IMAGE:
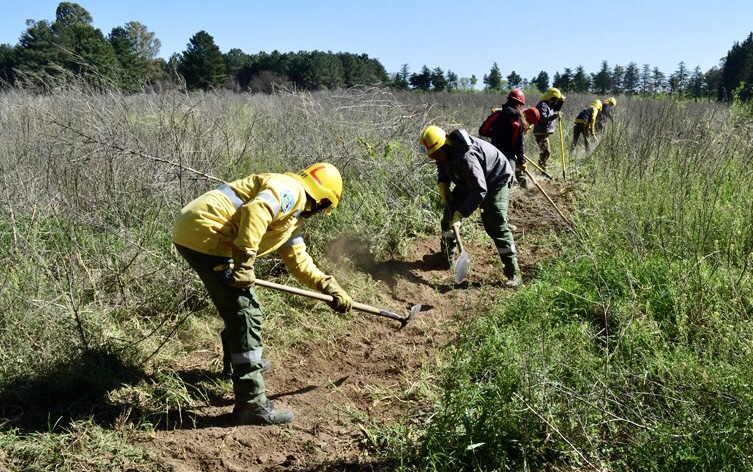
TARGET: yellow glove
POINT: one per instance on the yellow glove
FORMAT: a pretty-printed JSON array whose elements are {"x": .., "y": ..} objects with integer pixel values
[
  {"x": 243, "y": 276},
  {"x": 444, "y": 191},
  {"x": 341, "y": 301},
  {"x": 457, "y": 218}
]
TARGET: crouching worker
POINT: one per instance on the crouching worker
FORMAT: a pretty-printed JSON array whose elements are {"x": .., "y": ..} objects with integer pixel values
[
  {"x": 241, "y": 220},
  {"x": 482, "y": 177},
  {"x": 585, "y": 125}
]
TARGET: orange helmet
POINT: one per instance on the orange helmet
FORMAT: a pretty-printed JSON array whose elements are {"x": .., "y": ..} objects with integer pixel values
[
  {"x": 321, "y": 181},
  {"x": 517, "y": 95},
  {"x": 532, "y": 115}
]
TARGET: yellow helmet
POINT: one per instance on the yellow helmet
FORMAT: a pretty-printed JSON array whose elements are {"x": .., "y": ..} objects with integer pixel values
[
  {"x": 432, "y": 139},
  {"x": 553, "y": 92},
  {"x": 611, "y": 101},
  {"x": 321, "y": 181},
  {"x": 596, "y": 104}
]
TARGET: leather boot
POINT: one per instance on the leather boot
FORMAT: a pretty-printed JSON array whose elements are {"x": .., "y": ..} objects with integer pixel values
[{"x": 264, "y": 414}]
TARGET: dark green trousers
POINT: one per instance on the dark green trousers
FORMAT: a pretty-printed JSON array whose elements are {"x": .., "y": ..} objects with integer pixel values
[
  {"x": 494, "y": 217},
  {"x": 544, "y": 151},
  {"x": 242, "y": 316}
]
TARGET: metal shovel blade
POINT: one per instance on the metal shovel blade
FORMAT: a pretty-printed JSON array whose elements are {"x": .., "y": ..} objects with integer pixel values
[{"x": 462, "y": 264}]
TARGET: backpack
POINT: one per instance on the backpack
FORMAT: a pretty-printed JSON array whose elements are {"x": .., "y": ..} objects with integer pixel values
[{"x": 488, "y": 125}]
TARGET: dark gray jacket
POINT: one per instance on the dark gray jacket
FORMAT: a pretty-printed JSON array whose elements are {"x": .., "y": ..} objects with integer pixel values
[
  {"x": 477, "y": 170},
  {"x": 547, "y": 119}
]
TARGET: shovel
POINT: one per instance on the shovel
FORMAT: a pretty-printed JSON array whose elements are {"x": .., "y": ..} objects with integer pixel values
[
  {"x": 538, "y": 167},
  {"x": 463, "y": 261},
  {"x": 567, "y": 222},
  {"x": 562, "y": 148},
  {"x": 328, "y": 298}
]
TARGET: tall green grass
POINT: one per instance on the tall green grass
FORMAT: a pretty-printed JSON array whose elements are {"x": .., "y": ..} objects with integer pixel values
[{"x": 632, "y": 350}]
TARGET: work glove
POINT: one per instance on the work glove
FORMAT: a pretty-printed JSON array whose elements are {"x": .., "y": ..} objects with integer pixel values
[
  {"x": 243, "y": 276},
  {"x": 457, "y": 218},
  {"x": 444, "y": 191},
  {"x": 341, "y": 301},
  {"x": 522, "y": 167},
  {"x": 559, "y": 115}
]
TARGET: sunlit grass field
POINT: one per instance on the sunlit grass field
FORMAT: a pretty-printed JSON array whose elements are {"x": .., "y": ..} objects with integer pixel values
[{"x": 631, "y": 350}]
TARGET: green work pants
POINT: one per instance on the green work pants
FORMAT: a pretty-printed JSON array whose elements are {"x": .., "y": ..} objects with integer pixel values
[
  {"x": 494, "y": 217},
  {"x": 242, "y": 316},
  {"x": 544, "y": 151}
]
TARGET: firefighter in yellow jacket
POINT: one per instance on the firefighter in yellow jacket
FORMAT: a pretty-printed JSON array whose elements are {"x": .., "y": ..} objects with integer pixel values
[
  {"x": 585, "y": 124},
  {"x": 241, "y": 220}
]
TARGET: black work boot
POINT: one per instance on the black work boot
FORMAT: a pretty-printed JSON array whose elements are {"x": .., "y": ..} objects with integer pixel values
[
  {"x": 264, "y": 414},
  {"x": 227, "y": 369}
]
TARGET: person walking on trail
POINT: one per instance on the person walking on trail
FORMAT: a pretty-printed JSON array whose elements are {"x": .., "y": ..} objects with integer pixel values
[
  {"x": 606, "y": 114},
  {"x": 585, "y": 124},
  {"x": 241, "y": 220},
  {"x": 481, "y": 177},
  {"x": 549, "y": 107},
  {"x": 505, "y": 127}
]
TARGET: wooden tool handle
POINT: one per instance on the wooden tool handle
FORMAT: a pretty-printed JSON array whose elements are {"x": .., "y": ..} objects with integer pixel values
[
  {"x": 457, "y": 237},
  {"x": 314, "y": 295}
]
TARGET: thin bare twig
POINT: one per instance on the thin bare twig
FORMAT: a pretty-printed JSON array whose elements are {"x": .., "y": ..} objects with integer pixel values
[
  {"x": 572, "y": 446},
  {"x": 139, "y": 153}
]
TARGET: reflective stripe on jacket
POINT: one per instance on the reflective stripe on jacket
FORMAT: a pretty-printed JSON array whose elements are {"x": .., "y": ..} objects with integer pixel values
[{"x": 264, "y": 216}]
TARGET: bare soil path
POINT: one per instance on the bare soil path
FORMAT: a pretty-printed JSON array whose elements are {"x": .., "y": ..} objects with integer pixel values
[{"x": 339, "y": 390}]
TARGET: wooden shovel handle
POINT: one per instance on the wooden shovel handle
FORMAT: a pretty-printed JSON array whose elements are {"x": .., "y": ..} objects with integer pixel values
[
  {"x": 457, "y": 237},
  {"x": 567, "y": 222},
  {"x": 314, "y": 295}
]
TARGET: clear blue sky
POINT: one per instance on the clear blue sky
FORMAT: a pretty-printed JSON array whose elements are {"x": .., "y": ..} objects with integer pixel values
[{"x": 464, "y": 37}]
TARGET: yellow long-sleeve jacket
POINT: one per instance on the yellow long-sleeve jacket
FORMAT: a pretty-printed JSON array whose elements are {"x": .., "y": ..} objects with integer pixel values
[
  {"x": 588, "y": 116},
  {"x": 261, "y": 213}
]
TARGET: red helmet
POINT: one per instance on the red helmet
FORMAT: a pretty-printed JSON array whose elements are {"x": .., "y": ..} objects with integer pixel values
[
  {"x": 517, "y": 95},
  {"x": 532, "y": 115}
]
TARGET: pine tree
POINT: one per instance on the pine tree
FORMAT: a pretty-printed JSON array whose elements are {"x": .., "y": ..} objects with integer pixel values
[
  {"x": 438, "y": 80},
  {"x": 632, "y": 79},
  {"x": 602, "y": 82},
  {"x": 201, "y": 64},
  {"x": 493, "y": 81},
  {"x": 541, "y": 81},
  {"x": 421, "y": 81},
  {"x": 737, "y": 69},
  {"x": 514, "y": 80}
]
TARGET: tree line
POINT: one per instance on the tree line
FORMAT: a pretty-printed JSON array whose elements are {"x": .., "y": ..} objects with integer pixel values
[{"x": 51, "y": 53}]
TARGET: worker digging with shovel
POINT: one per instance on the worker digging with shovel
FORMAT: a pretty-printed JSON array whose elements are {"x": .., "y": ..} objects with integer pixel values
[
  {"x": 482, "y": 177},
  {"x": 253, "y": 216}
]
